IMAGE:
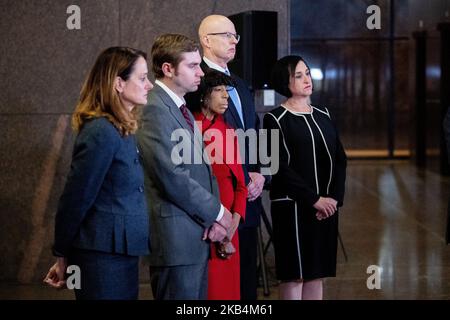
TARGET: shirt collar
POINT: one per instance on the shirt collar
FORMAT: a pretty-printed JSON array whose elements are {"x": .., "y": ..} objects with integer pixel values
[
  {"x": 213, "y": 65},
  {"x": 178, "y": 101}
]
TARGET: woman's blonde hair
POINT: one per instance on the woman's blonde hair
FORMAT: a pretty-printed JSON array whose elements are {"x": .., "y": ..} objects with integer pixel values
[{"x": 99, "y": 98}]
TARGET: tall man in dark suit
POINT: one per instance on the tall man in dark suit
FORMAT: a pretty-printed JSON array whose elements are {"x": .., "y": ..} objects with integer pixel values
[
  {"x": 182, "y": 192},
  {"x": 218, "y": 39}
]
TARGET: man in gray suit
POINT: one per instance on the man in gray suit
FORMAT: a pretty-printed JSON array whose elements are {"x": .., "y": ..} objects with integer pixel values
[{"x": 181, "y": 190}]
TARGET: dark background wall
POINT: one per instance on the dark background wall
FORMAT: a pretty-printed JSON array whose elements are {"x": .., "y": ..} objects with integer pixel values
[
  {"x": 42, "y": 67},
  {"x": 333, "y": 37}
]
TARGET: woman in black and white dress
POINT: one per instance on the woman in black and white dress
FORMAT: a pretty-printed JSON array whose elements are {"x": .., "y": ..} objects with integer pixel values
[{"x": 308, "y": 187}]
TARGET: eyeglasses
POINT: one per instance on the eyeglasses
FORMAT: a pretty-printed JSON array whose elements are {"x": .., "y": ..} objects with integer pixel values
[
  {"x": 221, "y": 89},
  {"x": 228, "y": 35}
]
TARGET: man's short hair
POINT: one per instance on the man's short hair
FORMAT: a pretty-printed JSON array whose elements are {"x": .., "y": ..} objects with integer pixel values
[{"x": 169, "y": 48}]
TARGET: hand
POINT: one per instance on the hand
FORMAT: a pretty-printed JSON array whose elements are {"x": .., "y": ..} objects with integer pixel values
[
  {"x": 226, "y": 220},
  {"x": 219, "y": 230},
  {"x": 320, "y": 215},
  {"x": 255, "y": 186},
  {"x": 334, "y": 202},
  {"x": 56, "y": 275},
  {"x": 234, "y": 224},
  {"x": 225, "y": 250},
  {"x": 217, "y": 233},
  {"x": 326, "y": 205},
  {"x": 229, "y": 248}
]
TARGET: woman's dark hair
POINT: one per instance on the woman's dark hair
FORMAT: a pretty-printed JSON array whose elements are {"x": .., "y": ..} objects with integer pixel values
[
  {"x": 282, "y": 71},
  {"x": 211, "y": 79}
]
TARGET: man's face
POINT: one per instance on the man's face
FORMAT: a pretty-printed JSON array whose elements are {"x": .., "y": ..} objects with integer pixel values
[
  {"x": 222, "y": 41},
  {"x": 188, "y": 73}
]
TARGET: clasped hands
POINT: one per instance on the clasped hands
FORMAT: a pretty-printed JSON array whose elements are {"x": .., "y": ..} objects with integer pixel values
[
  {"x": 326, "y": 207},
  {"x": 256, "y": 185},
  {"x": 221, "y": 232}
]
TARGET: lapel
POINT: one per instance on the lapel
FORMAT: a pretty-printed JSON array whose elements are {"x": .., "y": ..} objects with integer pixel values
[
  {"x": 173, "y": 109},
  {"x": 196, "y": 138}
]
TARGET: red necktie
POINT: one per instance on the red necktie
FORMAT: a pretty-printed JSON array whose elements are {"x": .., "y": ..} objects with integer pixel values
[{"x": 185, "y": 113}]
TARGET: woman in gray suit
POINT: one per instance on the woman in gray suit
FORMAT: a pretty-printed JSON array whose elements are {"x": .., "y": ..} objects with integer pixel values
[{"x": 102, "y": 222}]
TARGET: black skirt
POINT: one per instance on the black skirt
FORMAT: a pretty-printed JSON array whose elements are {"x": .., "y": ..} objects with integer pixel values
[{"x": 305, "y": 248}]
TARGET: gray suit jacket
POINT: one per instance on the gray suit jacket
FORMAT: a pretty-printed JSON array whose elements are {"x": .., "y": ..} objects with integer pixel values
[{"x": 182, "y": 197}]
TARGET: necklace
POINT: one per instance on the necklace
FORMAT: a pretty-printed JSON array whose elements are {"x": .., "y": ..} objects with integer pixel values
[{"x": 304, "y": 109}]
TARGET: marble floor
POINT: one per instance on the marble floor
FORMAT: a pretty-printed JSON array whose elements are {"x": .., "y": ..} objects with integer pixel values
[{"x": 393, "y": 221}]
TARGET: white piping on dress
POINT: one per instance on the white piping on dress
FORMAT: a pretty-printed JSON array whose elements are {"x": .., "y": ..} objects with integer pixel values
[
  {"x": 314, "y": 154},
  {"x": 296, "y": 231},
  {"x": 302, "y": 114},
  {"x": 281, "y": 130},
  {"x": 327, "y": 113},
  {"x": 298, "y": 241},
  {"x": 282, "y": 199},
  {"x": 328, "y": 151}
]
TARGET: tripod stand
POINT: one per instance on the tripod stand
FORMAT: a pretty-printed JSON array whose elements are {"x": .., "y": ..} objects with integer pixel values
[{"x": 262, "y": 251}]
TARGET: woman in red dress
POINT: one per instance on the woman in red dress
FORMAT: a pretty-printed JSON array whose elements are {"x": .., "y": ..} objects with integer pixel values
[{"x": 223, "y": 152}]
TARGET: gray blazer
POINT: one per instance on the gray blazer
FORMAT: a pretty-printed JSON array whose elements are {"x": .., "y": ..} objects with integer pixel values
[{"x": 182, "y": 197}]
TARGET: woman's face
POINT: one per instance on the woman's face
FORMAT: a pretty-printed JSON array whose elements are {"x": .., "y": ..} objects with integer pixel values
[
  {"x": 217, "y": 102},
  {"x": 300, "y": 82},
  {"x": 134, "y": 90}
]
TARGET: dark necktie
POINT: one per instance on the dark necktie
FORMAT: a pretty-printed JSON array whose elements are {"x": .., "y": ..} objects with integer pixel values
[{"x": 185, "y": 113}]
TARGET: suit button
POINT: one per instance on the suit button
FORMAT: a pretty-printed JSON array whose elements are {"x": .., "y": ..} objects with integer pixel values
[
  {"x": 141, "y": 189},
  {"x": 136, "y": 160}
]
